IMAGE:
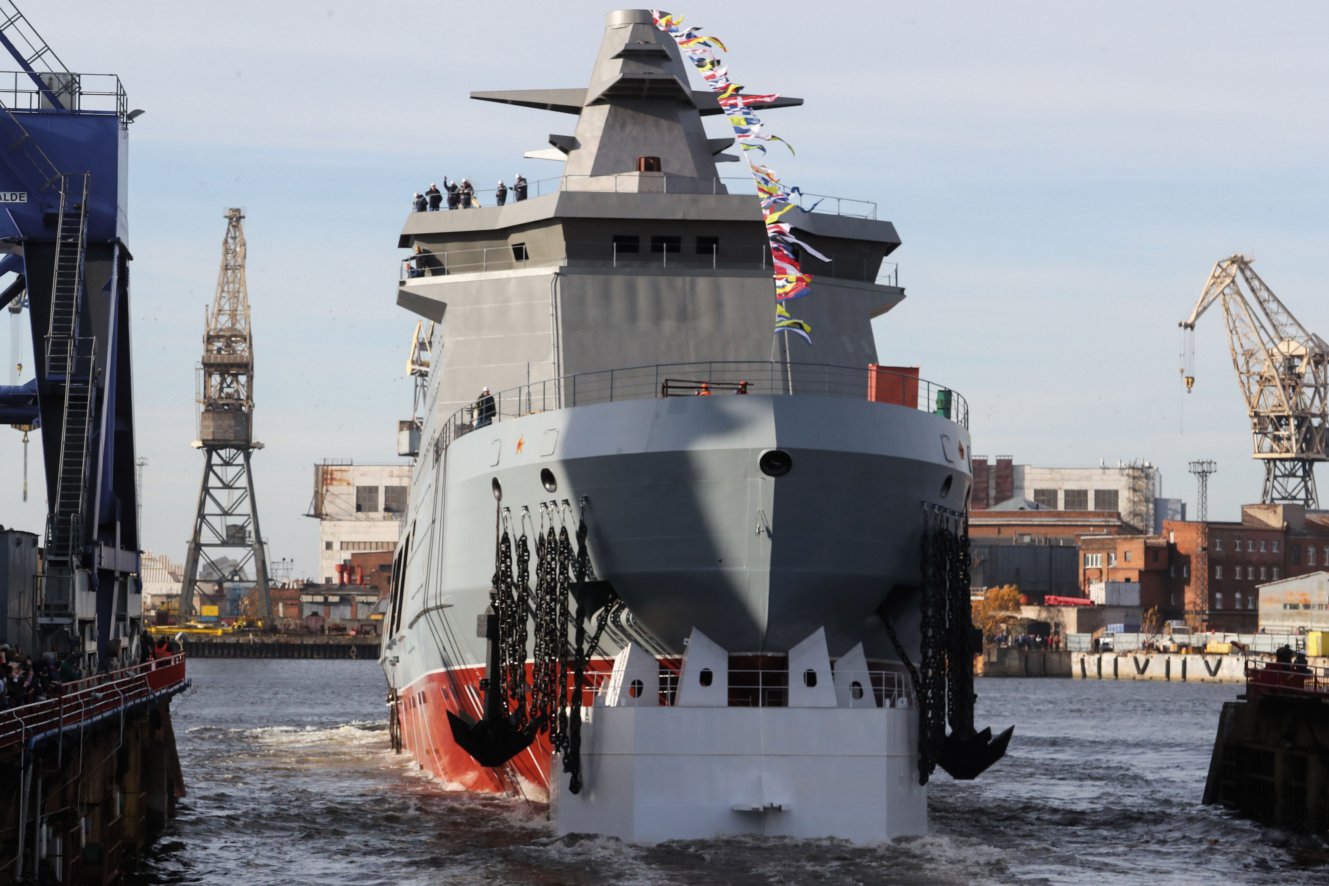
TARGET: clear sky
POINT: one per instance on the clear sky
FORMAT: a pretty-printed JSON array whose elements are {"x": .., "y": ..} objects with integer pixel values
[{"x": 1063, "y": 176}]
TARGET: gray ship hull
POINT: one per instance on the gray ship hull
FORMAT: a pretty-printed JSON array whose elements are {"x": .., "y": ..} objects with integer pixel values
[{"x": 686, "y": 527}]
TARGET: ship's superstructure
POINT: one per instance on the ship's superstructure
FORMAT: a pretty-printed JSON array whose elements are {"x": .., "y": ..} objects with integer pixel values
[{"x": 712, "y": 578}]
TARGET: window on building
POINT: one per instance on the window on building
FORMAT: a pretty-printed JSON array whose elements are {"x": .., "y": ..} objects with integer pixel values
[
  {"x": 1105, "y": 499},
  {"x": 327, "y": 545},
  {"x": 1238, "y": 599},
  {"x": 1275, "y": 573},
  {"x": 1218, "y": 543},
  {"x": 1325, "y": 561},
  {"x": 1112, "y": 558},
  {"x": 1046, "y": 498},
  {"x": 366, "y": 499},
  {"x": 1218, "y": 600},
  {"x": 1310, "y": 555},
  {"x": 1185, "y": 570},
  {"x": 1250, "y": 573},
  {"x": 1236, "y": 546},
  {"x": 1295, "y": 551},
  {"x": 708, "y": 246},
  {"x": 1172, "y": 570},
  {"x": 1172, "y": 598},
  {"x": 1076, "y": 499},
  {"x": 1264, "y": 546},
  {"x": 1153, "y": 556},
  {"x": 394, "y": 499},
  {"x": 666, "y": 243},
  {"x": 1262, "y": 577},
  {"x": 1127, "y": 555},
  {"x": 1218, "y": 572},
  {"x": 1275, "y": 546},
  {"x": 1250, "y": 601},
  {"x": 1093, "y": 561}
]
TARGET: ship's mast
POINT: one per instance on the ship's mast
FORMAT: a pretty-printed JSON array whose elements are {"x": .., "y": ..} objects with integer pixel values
[{"x": 226, "y": 539}]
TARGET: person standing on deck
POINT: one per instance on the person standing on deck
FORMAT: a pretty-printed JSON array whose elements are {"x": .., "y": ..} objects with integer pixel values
[
  {"x": 484, "y": 408},
  {"x": 467, "y": 192},
  {"x": 519, "y": 188},
  {"x": 435, "y": 197},
  {"x": 454, "y": 193},
  {"x": 419, "y": 204}
]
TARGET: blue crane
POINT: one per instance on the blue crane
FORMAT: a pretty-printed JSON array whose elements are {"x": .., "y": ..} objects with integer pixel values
[{"x": 63, "y": 234}]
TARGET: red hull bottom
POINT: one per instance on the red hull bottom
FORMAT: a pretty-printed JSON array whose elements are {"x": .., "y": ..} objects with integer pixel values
[{"x": 422, "y": 717}]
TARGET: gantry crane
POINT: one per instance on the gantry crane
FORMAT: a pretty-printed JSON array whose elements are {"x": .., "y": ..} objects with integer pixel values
[
  {"x": 63, "y": 237},
  {"x": 1281, "y": 368}
]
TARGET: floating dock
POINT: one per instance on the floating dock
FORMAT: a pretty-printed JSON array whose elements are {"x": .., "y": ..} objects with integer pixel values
[
  {"x": 90, "y": 777},
  {"x": 1270, "y": 760}
]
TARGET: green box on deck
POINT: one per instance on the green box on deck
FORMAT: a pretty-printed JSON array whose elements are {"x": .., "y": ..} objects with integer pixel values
[{"x": 943, "y": 403}]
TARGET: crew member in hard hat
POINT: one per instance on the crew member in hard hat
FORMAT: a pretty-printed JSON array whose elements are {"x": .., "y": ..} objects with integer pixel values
[{"x": 484, "y": 408}]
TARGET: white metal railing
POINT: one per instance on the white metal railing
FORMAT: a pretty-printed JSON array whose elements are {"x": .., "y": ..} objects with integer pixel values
[
  {"x": 668, "y": 183},
  {"x": 715, "y": 377},
  {"x": 616, "y": 254}
]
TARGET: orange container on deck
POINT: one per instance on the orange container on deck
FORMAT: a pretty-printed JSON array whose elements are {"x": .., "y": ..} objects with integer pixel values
[{"x": 893, "y": 384}]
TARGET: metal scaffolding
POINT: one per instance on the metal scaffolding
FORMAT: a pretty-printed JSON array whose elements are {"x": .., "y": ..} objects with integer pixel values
[{"x": 227, "y": 546}]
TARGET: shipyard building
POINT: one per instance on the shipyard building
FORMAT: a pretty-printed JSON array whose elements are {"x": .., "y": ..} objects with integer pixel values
[{"x": 359, "y": 508}]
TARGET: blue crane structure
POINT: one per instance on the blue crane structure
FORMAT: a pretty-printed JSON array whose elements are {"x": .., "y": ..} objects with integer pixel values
[{"x": 63, "y": 236}]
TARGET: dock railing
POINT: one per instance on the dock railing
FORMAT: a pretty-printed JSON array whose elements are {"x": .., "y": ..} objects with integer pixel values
[
  {"x": 724, "y": 378},
  {"x": 1285, "y": 678},
  {"x": 81, "y": 703}
]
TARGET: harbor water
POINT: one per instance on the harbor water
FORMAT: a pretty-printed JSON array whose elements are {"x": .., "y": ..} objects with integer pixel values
[{"x": 291, "y": 781}]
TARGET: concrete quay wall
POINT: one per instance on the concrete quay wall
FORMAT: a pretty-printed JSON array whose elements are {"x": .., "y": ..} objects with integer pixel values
[
  {"x": 1005, "y": 661},
  {"x": 1164, "y": 666}
]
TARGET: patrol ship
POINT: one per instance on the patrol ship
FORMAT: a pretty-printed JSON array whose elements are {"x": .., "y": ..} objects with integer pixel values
[{"x": 674, "y": 576}]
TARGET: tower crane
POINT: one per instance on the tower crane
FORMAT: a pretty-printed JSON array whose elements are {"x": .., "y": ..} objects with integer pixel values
[{"x": 1281, "y": 369}]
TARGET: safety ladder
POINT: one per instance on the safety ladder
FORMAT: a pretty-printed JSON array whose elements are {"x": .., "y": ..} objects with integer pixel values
[
  {"x": 68, "y": 282},
  {"x": 70, "y": 363}
]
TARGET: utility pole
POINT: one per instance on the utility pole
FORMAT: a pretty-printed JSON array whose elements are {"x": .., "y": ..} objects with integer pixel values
[
  {"x": 227, "y": 517},
  {"x": 1202, "y": 470}
]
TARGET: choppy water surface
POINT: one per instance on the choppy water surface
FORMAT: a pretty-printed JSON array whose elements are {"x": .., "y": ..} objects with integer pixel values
[{"x": 291, "y": 781}]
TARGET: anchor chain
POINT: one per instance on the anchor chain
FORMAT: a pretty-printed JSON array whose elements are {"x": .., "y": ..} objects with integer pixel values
[{"x": 550, "y": 700}]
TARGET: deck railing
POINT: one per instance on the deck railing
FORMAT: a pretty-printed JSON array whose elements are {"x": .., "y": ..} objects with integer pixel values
[
  {"x": 665, "y": 183},
  {"x": 643, "y": 255},
  {"x": 83, "y": 702},
  {"x": 720, "y": 378}
]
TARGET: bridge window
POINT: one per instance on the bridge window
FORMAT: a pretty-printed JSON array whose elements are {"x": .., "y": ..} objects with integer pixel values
[
  {"x": 519, "y": 252},
  {"x": 666, "y": 243},
  {"x": 626, "y": 243},
  {"x": 708, "y": 245}
]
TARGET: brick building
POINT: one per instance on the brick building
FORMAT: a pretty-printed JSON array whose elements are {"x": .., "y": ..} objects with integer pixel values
[
  {"x": 1037, "y": 526},
  {"x": 1133, "y": 559}
]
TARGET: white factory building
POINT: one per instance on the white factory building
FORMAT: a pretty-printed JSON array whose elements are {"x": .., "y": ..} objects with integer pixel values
[{"x": 359, "y": 508}]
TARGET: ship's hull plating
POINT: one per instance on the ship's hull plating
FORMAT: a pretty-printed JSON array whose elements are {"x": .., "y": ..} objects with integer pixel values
[{"x": 688, "y": 529}]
